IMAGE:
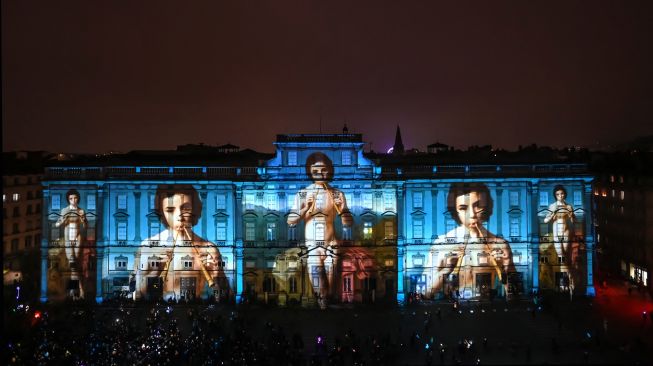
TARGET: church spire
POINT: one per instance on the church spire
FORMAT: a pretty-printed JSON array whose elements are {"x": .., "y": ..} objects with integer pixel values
[{"x": 398, "y": 148}]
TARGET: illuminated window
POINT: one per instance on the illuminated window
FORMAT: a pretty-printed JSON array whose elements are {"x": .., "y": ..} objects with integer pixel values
[
  {"x": 561, "y": 260},
  {"x": 367, "y": 230},
  {"x": 389, "y": 201},
  {"x": 418, "y": 228},
  {"x": 578, "y": 198},
  {"x": 55, "y": 202},
  {"x": 292, "y": 284},
  {"x": 621, "y": 210},
  {"x": 612, "y": 179},
  {"x": 290, "y": 201},
  {"x": 292, "y": 158},
  {"x": 220, "y": 202},
  {"x": 389, "y": 229},
  {"x": 90, "y": 202},
  {"x": 155, "y": 229},
  {"x": 271, "y": 231},
  {"x": 122, "y": 201},
  {"x": 4, "y": 198},
  {"x": 121, "y": 263},
  {"x": 514, "y": 198},
  {"x": 150, "y": 202},
  {"x": 122, "y": 230},
  {"x": 319, "y": 231},
  {"x": 15, "y": 197},
  {"x": 544, "y": 198},
  {"x": 418, "y": 260},
  {"x": 221, "y": 231},
  {"x": 346, "y": 157},
  {"x": 389, "y": 263},
  {"x": 622, "y": 195},
  {"x": 271, "y": 200},
  {"x": 604, "y": 193},
  {"x": 187, "y": 262},
  {"x": 250, "y": 231},
  {"x": 346, "y": 284},
  {"x": 292, "y": 233},
  {"x": 418, "y": 200},
  {"x": 271, "y": 263},
  {"x": 515, "y": 224},
  {"x": 612, "y": 193},
  {"x": 450, "y": 226},
  {"x": 292, "y": 264},
  {"x": 621, "y": 179},
  {"x": 250, "y": 264},
  {"x": 367, "y": 200},
  {"x": 249, "y": 201},
  {"x": 346, "y": 233}
]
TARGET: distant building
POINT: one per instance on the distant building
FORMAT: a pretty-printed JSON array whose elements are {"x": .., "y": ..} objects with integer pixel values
[
  {"x": 21, "y": 214},
  {"x": 623, "y": 196},
  {"x": 318, "y": 220}
]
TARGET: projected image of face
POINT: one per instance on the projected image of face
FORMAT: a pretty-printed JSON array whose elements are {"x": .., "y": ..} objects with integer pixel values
[
  {"x": 319, "y": 172},
  {"x": 178, "y": 211},
  {"x": 470, "y": 208},
  {"x": 560, "y": 195}
]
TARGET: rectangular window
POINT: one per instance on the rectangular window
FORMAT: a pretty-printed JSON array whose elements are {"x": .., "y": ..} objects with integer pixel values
[
  {"x": 292, "y": 158},
  {"x": 90, "y": 202},
  {"x": 150, "y": 202},
  {"x": 544, "y": 198},
  {"x": 450, "y": 225},
  {"x": 55, "y": 202},
  {"x": 28, "y": 242},
  {"x": 121, "y": 264},
  {"x": 15, "y": 197},
  {"x": 561, "y": 260},
  {"x": 514, "y": 198},
  {"x": 346, "y": 233},
  {"x": 221, "y": 231},
  {"x": 319, "y": 231},
  {"x": 367, "y": 230},
  {"x": 292, "y": 233},
  {"x": 271, "y": 201},
  {"x": 188, "y": 264},
  {"x": 292, "y": 285},
  {"x": 544, "y": 259},
  {"x": 14, "y": 245},
  {"x": 250, "y": 231},
  {"x": 155, "y": 229},
  {"x": 271, "y": 231},
  {"x": 346, "y": 284},
  {"x": 389, "y": 229},
  {"x": 418, "y": 228},
  {"x": 346, "y": 157},
  {"x": 249, "y": 201},
  {"x": 389, "y": 201},
  {"x": 367, "y": 201},
  {"x": 292, "y": 265},
  {"x": 515, "y": 224},
  {"x": 122, "y": 231},
  {"x": 389, "y": 263},
  {"x": 622, "y": 195},
  {"x": 122, "y": 201},
  {"x": 418, "y": 200},
  {"x": 250, "y": 264},
  {"x": 290, "y": 201},
  {"x": 578, "y": 198},
  {"x": 220, "y": 202}
]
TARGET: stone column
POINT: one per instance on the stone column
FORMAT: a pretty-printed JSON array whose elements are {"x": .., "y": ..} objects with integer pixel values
[
  {"x": 45, "y": 243},
  {"x": 100, "y": 244},
  {"x": 589, "y": 238},
  {"x": 237, "y": 222},
  {"x": 534, "y": 230},
  {"x": 205, "y": 212},
  {"x": 498, "y": 210},
  {"x": 137, "y": 218}
]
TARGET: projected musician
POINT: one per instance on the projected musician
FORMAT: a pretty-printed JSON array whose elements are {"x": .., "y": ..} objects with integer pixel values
[
  {"x": 318, "y": 205},
  {"x": 561, "y": 216},
  {"x": 177, "y": 248},
  {"x": 73, "y": 219},
  {"x": 470, "y": 205}
]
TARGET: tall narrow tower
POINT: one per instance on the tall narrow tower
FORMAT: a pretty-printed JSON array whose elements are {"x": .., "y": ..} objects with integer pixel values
[{"x": 398, "y": 148}]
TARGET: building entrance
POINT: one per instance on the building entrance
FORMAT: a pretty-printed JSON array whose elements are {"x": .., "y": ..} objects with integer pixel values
[
  {"x": 154, "y": 288},
  {"x": 483, "y": 284}
]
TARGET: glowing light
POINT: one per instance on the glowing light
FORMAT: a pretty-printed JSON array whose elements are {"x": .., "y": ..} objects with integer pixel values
[{"x": 37, "y": 314}]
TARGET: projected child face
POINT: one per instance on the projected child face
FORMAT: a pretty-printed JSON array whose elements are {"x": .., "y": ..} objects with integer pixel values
[
  {"x": 470, "y": 208},
  {"x": 178, "y": 211},
  {"x": 319, "y": 172},
  {"x": 560, "y": 195},
  {"x": 73, "y": 199}
]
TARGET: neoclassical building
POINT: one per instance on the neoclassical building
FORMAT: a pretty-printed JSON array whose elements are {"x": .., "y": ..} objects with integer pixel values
[{"x": 318, "y": 221}]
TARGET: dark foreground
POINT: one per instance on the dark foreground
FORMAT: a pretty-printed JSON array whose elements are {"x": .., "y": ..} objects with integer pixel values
[{"x": 609, "y": 329}]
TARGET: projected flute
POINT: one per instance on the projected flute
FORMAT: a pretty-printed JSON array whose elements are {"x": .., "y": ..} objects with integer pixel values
[
  {"x": 205, "y": 272},
  {"x": 164, "y": 273},
  {"x": 331, "y": 193}
]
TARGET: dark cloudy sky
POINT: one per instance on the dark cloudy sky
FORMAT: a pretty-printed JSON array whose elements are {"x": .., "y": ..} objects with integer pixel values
[{"x": 94, "y": 76}]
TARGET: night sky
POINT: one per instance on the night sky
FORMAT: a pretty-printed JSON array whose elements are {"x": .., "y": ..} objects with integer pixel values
[{"x": 91, "y": 76}]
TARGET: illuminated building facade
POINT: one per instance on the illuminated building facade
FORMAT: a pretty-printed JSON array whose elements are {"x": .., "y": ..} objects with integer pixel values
[{"x": 318, "y": 221}]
